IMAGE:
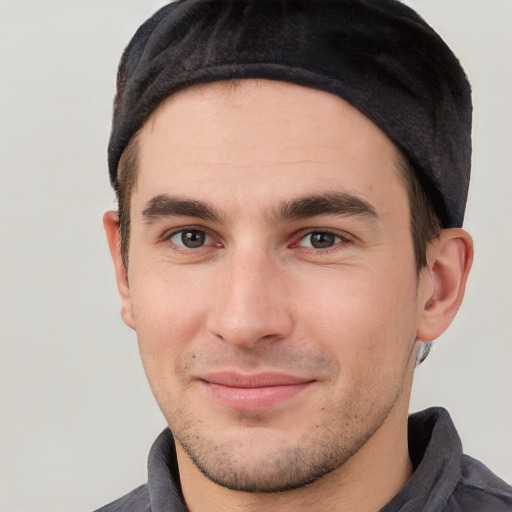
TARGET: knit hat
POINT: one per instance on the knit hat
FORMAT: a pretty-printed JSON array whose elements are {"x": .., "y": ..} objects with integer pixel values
[{"x": 379, "y": 55}]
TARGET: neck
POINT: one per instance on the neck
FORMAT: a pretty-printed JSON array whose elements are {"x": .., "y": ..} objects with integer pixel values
[{"x": 365, "y": 482}]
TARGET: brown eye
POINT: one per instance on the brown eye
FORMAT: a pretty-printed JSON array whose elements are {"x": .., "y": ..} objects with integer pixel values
[{"x": 191, "y": 238}]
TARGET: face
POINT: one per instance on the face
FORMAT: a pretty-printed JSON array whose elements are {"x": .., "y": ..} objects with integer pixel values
[{"x": 271, "y": 280}]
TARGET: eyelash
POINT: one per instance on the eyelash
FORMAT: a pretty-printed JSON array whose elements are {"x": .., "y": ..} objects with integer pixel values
[
  {"x": 188, "y": 229},
  {"x": 343, "y": 239}
]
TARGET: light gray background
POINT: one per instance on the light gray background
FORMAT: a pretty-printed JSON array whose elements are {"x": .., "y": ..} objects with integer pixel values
[{"x": 77, "y": 417}]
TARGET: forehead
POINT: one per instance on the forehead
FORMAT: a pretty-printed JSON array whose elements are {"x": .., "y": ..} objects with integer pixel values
[{"x": 253, "y": 137}]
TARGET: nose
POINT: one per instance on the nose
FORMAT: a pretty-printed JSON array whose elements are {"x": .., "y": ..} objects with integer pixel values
[{"x": 252, "y": 303}]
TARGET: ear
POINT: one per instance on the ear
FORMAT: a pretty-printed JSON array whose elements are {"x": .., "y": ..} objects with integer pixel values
[
  {"x": 443, "y": 283},
  {"x": 111, "y": 225}
]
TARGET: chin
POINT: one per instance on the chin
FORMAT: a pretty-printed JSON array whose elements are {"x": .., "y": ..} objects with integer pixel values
[{"x": 267, "y": 463}]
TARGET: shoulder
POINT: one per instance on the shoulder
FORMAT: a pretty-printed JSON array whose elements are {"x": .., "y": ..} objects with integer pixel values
[
  {"x": 480, "y": 489},
  {"x": 135, "y": 501}
]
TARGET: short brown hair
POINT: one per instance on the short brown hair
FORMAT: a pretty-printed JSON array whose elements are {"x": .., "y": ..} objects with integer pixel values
[
  {"x": 425, "y": 222},
  {"x": 127, "y": 180}
]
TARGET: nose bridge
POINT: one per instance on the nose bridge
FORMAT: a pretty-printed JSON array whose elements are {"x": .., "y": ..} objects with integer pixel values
[{"x": 252, "y": 303}]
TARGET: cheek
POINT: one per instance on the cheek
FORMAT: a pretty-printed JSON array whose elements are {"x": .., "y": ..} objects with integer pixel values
[
  {"x": 364, "y": 318},
  {"x": 169, "y": 315},
  {"x": 169, "y": 310}
]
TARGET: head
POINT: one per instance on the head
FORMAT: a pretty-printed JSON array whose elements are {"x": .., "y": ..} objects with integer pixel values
[
  {"x": 413, "y": 87},
  {"x": 278, "y": 249}
]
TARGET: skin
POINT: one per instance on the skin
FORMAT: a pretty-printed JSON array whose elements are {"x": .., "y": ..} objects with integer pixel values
[{"x": 329, "y": 298}]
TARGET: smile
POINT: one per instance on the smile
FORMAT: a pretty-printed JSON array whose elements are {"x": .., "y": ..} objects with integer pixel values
[{"x": 254, "y": 392}]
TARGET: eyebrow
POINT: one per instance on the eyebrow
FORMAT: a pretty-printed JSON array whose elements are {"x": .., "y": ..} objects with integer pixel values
[
  {"x": 170, "y": 206},
  {"x": 334, "y": 203}
]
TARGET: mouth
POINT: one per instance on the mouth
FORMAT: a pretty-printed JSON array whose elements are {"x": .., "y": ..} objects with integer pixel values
[{"x": 257, "y": 392}]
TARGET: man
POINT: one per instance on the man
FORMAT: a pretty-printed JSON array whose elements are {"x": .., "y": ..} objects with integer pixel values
[{"x": 291, "y": 179}]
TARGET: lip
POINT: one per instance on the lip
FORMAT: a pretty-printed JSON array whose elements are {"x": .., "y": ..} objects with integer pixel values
[{"x": 256, "y": 392}]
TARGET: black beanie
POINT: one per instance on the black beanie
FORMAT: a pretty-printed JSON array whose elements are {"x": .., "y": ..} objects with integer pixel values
[{"x": 378, "y": 55}]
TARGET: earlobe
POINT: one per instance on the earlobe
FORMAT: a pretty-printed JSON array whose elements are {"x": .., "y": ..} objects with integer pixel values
[
  {"x": 111, "y": 226},
  {"x": 444, "y": 282}
]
